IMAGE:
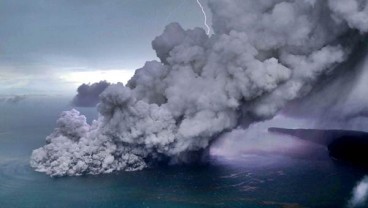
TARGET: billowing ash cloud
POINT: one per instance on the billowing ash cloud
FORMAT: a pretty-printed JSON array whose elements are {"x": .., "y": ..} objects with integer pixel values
[
  {"x": 88, "y": 94},
  {"x": 360, "y": 194},
  {"x": 340, "y": 100},
  {"x": 263, "y": 54},
  {"x": 14, "y": 99}
]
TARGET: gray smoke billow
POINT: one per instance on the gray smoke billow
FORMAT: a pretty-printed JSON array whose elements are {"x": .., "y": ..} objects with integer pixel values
[
  {"x": 340, "y": 100},
  {"x": 88, "y": 94},
  {"x": 263, "y": 54}
]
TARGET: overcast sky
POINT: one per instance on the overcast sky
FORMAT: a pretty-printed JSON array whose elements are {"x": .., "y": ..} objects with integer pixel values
[{"x": 52, "y": 46}]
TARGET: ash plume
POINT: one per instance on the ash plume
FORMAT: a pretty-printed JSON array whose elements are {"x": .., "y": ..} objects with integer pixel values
[
  {"x": 88, "y": 94},
  {"x": 340, "y": 100},
  {"x": 262, "y": 55}
]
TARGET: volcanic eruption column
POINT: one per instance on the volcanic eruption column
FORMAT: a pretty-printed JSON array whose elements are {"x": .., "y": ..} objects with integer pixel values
[{"x": 262, "y": 55}]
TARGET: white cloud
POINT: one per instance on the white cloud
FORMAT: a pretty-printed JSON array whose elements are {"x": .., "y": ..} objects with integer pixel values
[
  {"x": 360, "y": 194},
  {"x": 92, "y": 76}
]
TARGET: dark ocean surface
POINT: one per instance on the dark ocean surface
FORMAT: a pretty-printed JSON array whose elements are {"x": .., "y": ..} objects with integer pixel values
[{"x": 245, "y": 181}]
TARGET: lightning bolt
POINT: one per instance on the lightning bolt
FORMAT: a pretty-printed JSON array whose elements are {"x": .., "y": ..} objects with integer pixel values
[{"x": 205, "y": 17}]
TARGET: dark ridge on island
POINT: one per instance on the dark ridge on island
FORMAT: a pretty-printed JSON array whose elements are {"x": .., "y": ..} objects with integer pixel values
[{"x": 343, "y": 145}]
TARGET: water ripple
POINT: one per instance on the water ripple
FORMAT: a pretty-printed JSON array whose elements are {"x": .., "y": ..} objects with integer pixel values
[{"x": 16, "y": 173}]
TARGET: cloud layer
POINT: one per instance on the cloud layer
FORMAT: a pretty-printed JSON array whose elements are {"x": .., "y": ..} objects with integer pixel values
[
  {"x": 263, "y": 55},
  {"x": 14, "y": 99}
]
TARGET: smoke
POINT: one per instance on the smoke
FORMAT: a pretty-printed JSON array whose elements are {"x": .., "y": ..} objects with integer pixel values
[
  {"x": 88, "y": 94},
  {"x": 257, "y": 140},
  {"x": 360, "y": 194},
  {"x": 263, "y": 54},
  {"x": 340, "y": 100}
]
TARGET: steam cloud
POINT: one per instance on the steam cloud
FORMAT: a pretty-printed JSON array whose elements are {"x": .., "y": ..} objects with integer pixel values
[
  {"x": 88, "y": 94},
  {"x": 360, "y": 194},
  {"x": 262, "y": 55}
]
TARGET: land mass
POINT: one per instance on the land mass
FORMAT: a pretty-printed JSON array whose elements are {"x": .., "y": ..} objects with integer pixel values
[{"x": 343, "y": 145}]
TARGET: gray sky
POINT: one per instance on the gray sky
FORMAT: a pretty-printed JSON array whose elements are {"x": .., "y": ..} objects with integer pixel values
[{"x": 51, "y": 46}]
